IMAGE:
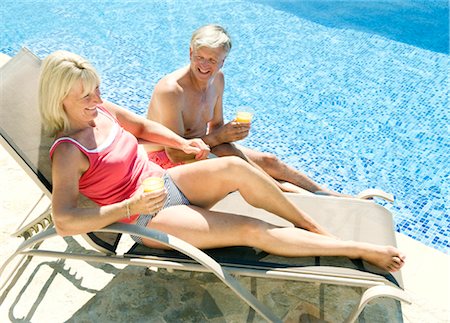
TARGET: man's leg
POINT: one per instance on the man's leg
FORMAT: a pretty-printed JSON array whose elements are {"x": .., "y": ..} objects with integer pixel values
[
  {"x": 230, "y": 149},
  {"x": 274, "y": 167}
]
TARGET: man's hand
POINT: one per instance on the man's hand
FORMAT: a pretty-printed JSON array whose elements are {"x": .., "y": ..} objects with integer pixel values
[
  {"x": 231, "y": 132},
  {"x": 198, "y": 147}
]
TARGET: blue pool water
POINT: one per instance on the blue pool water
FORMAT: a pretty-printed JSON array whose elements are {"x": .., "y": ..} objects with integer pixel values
[{"x": 355, "y": 103}]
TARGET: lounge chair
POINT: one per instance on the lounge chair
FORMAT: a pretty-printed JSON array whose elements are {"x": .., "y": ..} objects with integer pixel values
[{"x": 356, "y": 219}]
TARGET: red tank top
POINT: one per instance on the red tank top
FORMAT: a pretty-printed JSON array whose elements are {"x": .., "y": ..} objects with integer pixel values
[{"x": 116, "y": 169}]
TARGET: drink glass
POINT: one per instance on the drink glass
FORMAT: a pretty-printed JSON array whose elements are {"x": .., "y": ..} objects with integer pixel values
[
  {"x": 244, "y": 114},
  {"x": 152, "y": 184}
]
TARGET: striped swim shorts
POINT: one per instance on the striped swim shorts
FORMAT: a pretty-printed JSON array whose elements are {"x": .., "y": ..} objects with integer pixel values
[{"x": 174, "y": 197}]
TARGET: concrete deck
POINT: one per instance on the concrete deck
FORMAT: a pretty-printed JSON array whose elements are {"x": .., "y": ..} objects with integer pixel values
[{"x": 47, "y": 290}]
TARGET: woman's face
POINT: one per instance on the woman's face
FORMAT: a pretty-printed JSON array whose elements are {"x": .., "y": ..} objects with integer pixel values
[{"x": 81, "y": 108}]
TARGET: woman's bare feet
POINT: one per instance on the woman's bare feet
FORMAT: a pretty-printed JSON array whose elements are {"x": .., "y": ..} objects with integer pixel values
[{"x": 385, "y": 257}]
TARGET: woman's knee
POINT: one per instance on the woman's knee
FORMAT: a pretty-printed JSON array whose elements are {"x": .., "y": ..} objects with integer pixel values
[
  {"x": 236, "y": 165},
  {"x": 253, "y": 232}
]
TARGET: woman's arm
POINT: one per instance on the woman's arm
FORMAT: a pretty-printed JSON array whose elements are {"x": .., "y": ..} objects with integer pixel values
[
  {"x": 152, "y": 131},
  {"x": 68, "y": 164}
]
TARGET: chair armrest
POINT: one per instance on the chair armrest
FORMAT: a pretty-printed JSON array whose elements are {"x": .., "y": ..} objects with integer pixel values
[
  {"x": 372, "y": 192},
  {"x": 376, "y": 292}
]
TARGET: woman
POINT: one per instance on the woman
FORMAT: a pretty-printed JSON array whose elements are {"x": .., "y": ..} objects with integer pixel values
[{"x": 96, "y": 153}]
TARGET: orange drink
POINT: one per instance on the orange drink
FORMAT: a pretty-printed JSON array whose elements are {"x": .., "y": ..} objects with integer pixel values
[
  {"x": 153, "y": 184},
  {"x": 244, "y": 117}
]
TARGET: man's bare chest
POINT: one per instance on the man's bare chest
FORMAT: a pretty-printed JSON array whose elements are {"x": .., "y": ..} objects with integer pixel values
[{"x": 197, "y": 112}]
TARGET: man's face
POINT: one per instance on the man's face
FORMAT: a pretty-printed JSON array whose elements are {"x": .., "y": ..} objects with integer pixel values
[{"x": 206, "y": 62}]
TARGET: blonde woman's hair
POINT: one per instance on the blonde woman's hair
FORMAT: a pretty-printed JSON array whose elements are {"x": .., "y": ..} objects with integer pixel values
[
  {"x": 212, "y": 36},
  {"x": 60, "y": 71}
]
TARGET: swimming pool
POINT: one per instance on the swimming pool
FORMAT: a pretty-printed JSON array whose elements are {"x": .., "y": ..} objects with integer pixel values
[{"x": 352, "y": 107}]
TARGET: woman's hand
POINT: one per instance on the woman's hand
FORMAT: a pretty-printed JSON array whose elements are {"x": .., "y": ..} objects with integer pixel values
[
  {"x": 196, "y": 146},
  {"x": 147, "y": 202}
]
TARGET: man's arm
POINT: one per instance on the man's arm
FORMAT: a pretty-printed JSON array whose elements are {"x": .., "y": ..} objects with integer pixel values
[
  {"x": 216, "y": 122},
  {"x": 219, "y": 133}
]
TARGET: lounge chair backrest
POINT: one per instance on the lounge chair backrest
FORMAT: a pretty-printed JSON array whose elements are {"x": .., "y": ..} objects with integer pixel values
[{"x": 19, "y": 101}]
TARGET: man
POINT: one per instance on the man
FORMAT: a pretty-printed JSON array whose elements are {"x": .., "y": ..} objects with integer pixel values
[{"x": 189, "y": 102}]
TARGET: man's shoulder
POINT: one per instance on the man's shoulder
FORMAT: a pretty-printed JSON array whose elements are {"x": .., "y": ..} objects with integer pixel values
[
  {"x": 220, "y": 75},
  {"x": 168, "y": 84},
  {"x": 171, "y": 83},
  {"x": 219, "y": 80}
]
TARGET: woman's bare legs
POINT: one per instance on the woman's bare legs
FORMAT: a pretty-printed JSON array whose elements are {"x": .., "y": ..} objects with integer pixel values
[
  {"x": 207, "y": 229},
  {"x": 207, "y": 182}
]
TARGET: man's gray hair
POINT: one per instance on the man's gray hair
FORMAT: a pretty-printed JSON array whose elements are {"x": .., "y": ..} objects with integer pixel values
[{"x": 212, "y": 36}]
